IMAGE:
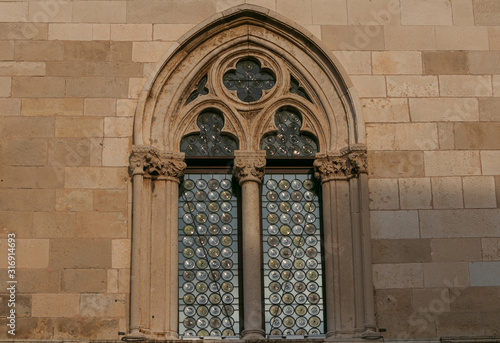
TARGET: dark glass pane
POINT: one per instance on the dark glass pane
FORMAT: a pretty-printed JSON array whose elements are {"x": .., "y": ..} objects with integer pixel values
[
  {"x": 208, "y": 257},
  {"x": 248, "y": 80},
  {"x": 295, "y": 88},
  {"x": 210, "y": 141},
  {"x": 293, "y": 275},
  {"x": 288, "y": 141},
  {"x": 201, "y": 89}
]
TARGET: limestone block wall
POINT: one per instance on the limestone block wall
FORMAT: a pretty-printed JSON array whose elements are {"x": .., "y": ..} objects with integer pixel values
[{"x": 428, "y": 76}]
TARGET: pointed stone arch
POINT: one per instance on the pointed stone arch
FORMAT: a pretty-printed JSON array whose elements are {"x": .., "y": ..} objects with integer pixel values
[{"x": 331, "y": 111}]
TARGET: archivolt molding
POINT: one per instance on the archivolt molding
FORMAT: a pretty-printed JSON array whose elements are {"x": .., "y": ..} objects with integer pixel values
[{"x": 280, "y": 46}]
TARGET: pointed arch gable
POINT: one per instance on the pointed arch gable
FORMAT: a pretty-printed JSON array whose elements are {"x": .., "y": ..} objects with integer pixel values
[{"x": 160, "y": 112}]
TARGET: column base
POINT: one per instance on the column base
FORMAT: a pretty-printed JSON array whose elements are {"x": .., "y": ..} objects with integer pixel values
[
  {"x": 253, "y": 335},
  {"x": 134, "y": 336},
  {"x": 370, "y": 334}
]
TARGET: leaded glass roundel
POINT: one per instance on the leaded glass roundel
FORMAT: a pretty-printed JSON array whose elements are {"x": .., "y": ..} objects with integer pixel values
[
  {"x": 208, "y": 257},
  {"x": 210, "y": 141},
  {"x": 249, "y": 80},
  {"x": 293, "y": 272},
  {"x": 288, "y": 141}
]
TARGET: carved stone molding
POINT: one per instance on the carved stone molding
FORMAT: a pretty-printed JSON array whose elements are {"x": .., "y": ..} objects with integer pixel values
[
  {"x": 153, "y": 163},
  {"x": 249, "y": 165},
  {"x": 343, "y": 165}
]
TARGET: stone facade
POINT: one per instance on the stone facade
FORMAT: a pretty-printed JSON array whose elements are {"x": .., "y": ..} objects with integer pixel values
[{"x": 426, "y": 74}]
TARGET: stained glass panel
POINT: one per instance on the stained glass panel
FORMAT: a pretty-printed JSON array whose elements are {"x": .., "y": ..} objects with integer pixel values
[
  {"x": 288, "y": 141},
  {"x": 248, "y": 80},
  {"x": 210, "y": 141},
  {"x": 208, "y": 257},
  {"x": 293, "y": 276}
]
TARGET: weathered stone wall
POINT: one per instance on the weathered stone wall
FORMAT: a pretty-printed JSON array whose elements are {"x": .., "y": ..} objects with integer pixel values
[{"x": 426, "y": 73}]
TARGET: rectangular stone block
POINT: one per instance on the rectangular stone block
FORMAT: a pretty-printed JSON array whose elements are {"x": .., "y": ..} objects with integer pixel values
[
  {"x": 394, "y": 224},
  {"x": 446, "y": 134},
  {"x": 490, "y": 249},
  {"x": 115, "y": 152},
  {"x": 50, "y": 11},
  {"x": 415, "y": 193},
  {"x": 80, "y": 253},
  {"x": 488, "y": 109},
  {"x": 112, "y": 280},
  {"x": 18, "y": 177},
  {"x": 353, "y": 37},
  {"x": 386, "y": 251},
  {"x": 463, "y": 13},
  {"x": 83, "y": 280},
  {"x": 490, "y": 162},
  {"x": 22, "y": 68},
  {"x": 476, "y": 299},
  {"x": 383, "y": 194},
  {"x": 70, "y": 32},
  {"x": 125, "y": 69},
  {"x": 172, "y": 12},
  {"x": 456, "y": 250},
  {"x": 24, "y": 152},
  {"x": 18, "y": 222},
  {"x": 110, "y": 200},
  {"x": 476, "y": 136},
  {"x": 124, "y": 280},
  {"x": 131, "y": 32},
  {"x": 13, "y": 11},
  {"x": 299, "y": 11},
  {"x": 26, "y": 328},
  {"x": 38, "y": 51},
  {"x": 27, "y": 200},
  {"x": 86, "y": 328},
  {"x": 55, "y": 305},
  {"x": 74, "y": 200},
  {"x": 412, "y": 86},
  {"x": 461, "y": 38},
  {"x": 6, "y": 50},
  {"x": 22, "y": 31},
  {"x": 445, "y": 62},
  {"x": 413, "y": 136},
  {"x": 394, "y": 301},
  {"x": 135, "y": 86},
  {"x": 397, "y": 62},
  {"x": 54, "y": 224},
  {"x": 381, "y": 12},
  {"x": 79, "y": 127},
  {"x": 484, "y": 62},
  {"x": 99, "y": 11},
  {"x": 26, "y": 127},
  {"x": 149, "y": 51},
  {"x": 328, "y": 12},
  {"x": 170, "y": 32},
  {"x": 431, "y": 301},
  {"x": 459, "y": 223},
  {"x": 447, "y": 192},
  {"x": 103, "y": 305},
  {"x": 385, "y": 110},
  {"x": 101, "y": 31},
  {"x": 32, "y": 253},
  {"x": 120, "y": 127},
  {"x": 445, "y": 273},
  {"x": 100, "y": 107},
  {"x": 444, "y": 109},
  {"x": 52, "y": 107},
  {"x": 69, "y": 152},
  {"x": 486, "y": 12},
  {"x": 65, "y": 68},
  {"x": 423, "y": 12},
  {"x": 125, "y": 107},
  {"x": 10, "y": 107},
  {"x": 23, "y": 305},
  {"x": 101, "y": 224},
  {"x": 404, "y": 275},
  {"x": 479, "y": 192},
  {"x": 451, "y": 163},
  {"x": 38, "y": 87},
  {"x": 5, "y": 87},
  {"x": 410, "y": 38},
  {"x": 97, "y": 87},
  {"x": 494, "y": 37},
  {"x": 96, "y": 177},
  {"x": 97, "y": 51},
  {"x": 355, "y": 62},
  {"x": 395, "y": 163},
  {"x": 121, "y": 249},
  {"x": 369, "y": 86},
  {"x": 484, "y": 274},
  {"x": 49, "y": 177}
]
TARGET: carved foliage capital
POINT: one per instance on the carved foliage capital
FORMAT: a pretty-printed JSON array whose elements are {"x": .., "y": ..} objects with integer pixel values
[
  {"x": 342, "y": 166},
  {"x": 249, "y": 166},
  {"x": 151, "y": 162}
]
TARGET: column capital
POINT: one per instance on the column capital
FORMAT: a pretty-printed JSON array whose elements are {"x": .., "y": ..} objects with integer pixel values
[
  {"x": 154, "y": 163},
  {"x": 249, "y": 165},
  {"x": 341, "y": 165}
]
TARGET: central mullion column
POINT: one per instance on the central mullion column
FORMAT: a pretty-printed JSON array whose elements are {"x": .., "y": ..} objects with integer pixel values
[{"x": 249, "y": 171}]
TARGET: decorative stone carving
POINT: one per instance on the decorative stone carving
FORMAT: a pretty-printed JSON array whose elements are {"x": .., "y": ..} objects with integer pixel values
[
  {"x": 154, "y": 163},
  {"x": 249, "y": 166},
  {"x": 347, "y": 164}
]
